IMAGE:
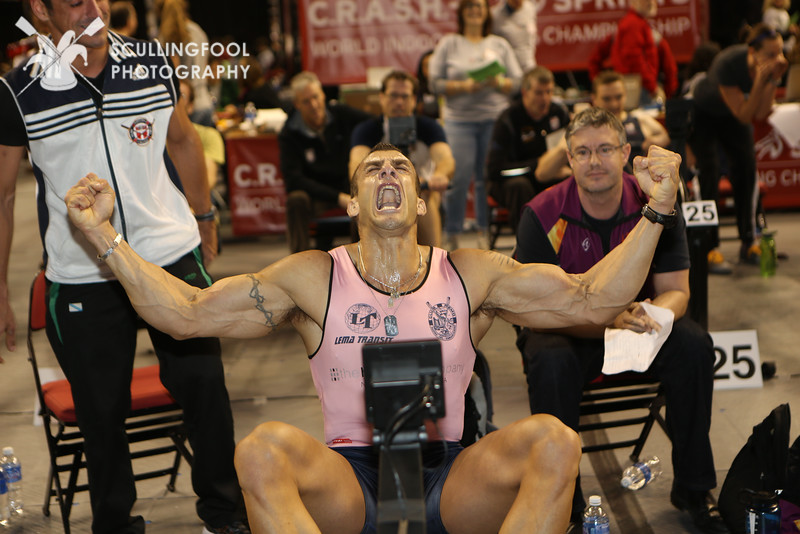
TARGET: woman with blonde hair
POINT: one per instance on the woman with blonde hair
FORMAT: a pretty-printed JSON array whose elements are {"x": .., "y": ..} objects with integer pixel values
[{"x": 177, "y": 30}]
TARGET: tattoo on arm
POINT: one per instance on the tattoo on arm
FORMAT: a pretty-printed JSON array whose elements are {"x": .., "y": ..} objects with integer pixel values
[{"x": 256, "y": 295}]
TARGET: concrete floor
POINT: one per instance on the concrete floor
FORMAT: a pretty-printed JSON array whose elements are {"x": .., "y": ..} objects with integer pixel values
[{"x": 269, "y": 379}]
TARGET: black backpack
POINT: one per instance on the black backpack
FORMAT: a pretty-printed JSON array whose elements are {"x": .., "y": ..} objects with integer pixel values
[{"x": 763, "y": 464}]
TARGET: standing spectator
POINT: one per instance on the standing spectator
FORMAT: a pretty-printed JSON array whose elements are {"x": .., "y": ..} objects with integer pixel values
[
  {"x": 428, "y": 150},
  {"x": 634, "y": 49},
  {"x": 520, "y": 138},
  {"x": 574, "y": 225},
  {"x": 641, "y": 129},
  {"x": 314, "y": 148},
  {"x": 177, "y": 28},
  {"x": 515, "y": 21},
  {"x": 148, "y": 147},
  {"x": 473, "y": 104},
  {"x": 739, "y": 88}
]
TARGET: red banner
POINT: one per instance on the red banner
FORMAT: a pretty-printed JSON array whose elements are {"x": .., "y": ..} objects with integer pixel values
[
  {"x": 341, "y": 38},
  {"x": 255, "y": 185},
  {"x": 778, "y": 167},
  {"x": 570, "y": 29}
]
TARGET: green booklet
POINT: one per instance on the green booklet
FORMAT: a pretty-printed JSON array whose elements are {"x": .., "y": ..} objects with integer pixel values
[{"x": 486, "y": 71}]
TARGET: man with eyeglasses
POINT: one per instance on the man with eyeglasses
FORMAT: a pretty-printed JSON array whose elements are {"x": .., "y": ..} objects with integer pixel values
[
  {"x": 422, "y": 139},
  {"x": 576, "y": 223}
]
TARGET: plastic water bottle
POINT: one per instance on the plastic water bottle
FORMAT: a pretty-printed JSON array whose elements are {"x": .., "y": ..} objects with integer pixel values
[
  {"x": 763, "y": 511},
  {"x": 250, "y": 113},
  {"x": 769, "y": 256},
  {"x": 595, "y": 519},
  {"x": 13, "y": 474},
  {"x": 4, "y": 511},
  {"x": 641, "y": 473}
]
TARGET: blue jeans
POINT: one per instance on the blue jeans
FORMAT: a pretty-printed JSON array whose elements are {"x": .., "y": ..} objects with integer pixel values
[{"x": 469, "y": 142}]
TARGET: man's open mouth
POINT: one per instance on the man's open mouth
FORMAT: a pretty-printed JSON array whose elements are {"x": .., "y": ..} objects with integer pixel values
[{"x": 388, "y": 197}]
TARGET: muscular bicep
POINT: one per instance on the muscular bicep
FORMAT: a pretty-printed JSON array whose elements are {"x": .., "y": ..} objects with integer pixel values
[
  {"x": 244, "y": 306},
  {"x": 539, "y": 295},
  {"x": 536, "y": 295},
  {"x": 252, "y": 305}
]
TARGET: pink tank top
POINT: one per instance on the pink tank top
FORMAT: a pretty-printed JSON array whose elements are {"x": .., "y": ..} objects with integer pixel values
[{"x": 438, "y": 309}]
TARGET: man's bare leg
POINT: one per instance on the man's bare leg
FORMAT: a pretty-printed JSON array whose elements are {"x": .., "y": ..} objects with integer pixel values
[
  {"x": 517, "y": 479},
  {"x": 292, "y": 483}
]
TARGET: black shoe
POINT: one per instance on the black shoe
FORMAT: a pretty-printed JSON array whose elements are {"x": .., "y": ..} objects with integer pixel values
[{"x": 702, "y": 506}]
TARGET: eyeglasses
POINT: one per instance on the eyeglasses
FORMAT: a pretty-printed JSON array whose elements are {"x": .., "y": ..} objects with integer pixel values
[
  {"x": 399, "y": 96},
  {"x": 583, "y": 154},
  {"x": 474, "y": 4}
]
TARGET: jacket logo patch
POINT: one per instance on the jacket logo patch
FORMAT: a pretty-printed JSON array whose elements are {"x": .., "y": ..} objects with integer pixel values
[
  {"x": 140, "y": 132},
  {"x": 442, "y": 320},
  {"x": 586, "y": 244},
  {"x": 361, "y": 318}
]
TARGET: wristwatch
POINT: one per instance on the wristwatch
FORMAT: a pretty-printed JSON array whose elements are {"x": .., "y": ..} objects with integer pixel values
[
  {"x": 668, "y": 221},
  {"x": 210, "y": 215}
]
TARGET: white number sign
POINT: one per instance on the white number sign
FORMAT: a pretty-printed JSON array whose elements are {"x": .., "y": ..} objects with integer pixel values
[{"x": 737, "y": 363}]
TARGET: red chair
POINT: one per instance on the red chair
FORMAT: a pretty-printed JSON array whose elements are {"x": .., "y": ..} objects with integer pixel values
[
  {"x": 498, "y": 221},
  {"x": 155, "y": 418}
]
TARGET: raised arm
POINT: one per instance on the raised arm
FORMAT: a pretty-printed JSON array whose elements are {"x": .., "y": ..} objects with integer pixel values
[
  {"x": 241, "y": 306},
  {"x": 544, "y": 296}
]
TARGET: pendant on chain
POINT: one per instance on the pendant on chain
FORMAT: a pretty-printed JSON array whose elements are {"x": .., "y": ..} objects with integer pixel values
[
  {"x": 394, "y": 295},
  {"x": 390, "y": 325}
]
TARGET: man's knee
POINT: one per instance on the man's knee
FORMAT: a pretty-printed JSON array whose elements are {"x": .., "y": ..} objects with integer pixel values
[
  {"x": 691, "y": 348},
  {"x": 262, "y": 452},
  {"x": 553, "y": 446}
]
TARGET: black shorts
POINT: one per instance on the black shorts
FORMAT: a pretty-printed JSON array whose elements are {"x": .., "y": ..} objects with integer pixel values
[{"x": 436, "y": 462}]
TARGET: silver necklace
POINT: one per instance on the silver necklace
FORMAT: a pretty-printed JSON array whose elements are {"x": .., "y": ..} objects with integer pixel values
[
  {"x": 390, "y": 320},
  {"x": 394, "y": 291}
]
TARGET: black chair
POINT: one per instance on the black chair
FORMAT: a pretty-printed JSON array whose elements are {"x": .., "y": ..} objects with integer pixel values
[
  {"x": 155, "y": 421},
  {"x": 625, "y": 400}
]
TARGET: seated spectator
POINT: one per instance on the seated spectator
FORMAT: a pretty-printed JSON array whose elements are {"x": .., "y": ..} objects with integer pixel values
[
  {"x": 519, "y": 138},
  {"x": 314, "y": 148},
  {"x": 428, "y": 149},
  {"x": 123, "y": 18},
  {"x": 641, "y": 128},
  {"x": 592, "y": 212},
  {"x": 254, "y": 86}
]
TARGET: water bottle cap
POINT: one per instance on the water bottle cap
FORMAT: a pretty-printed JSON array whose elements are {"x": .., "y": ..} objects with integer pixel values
[
  {"x": 626, "y": 482},
  {"x": 595, "y": 500},
  {"x": 8, "y": 451}
]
